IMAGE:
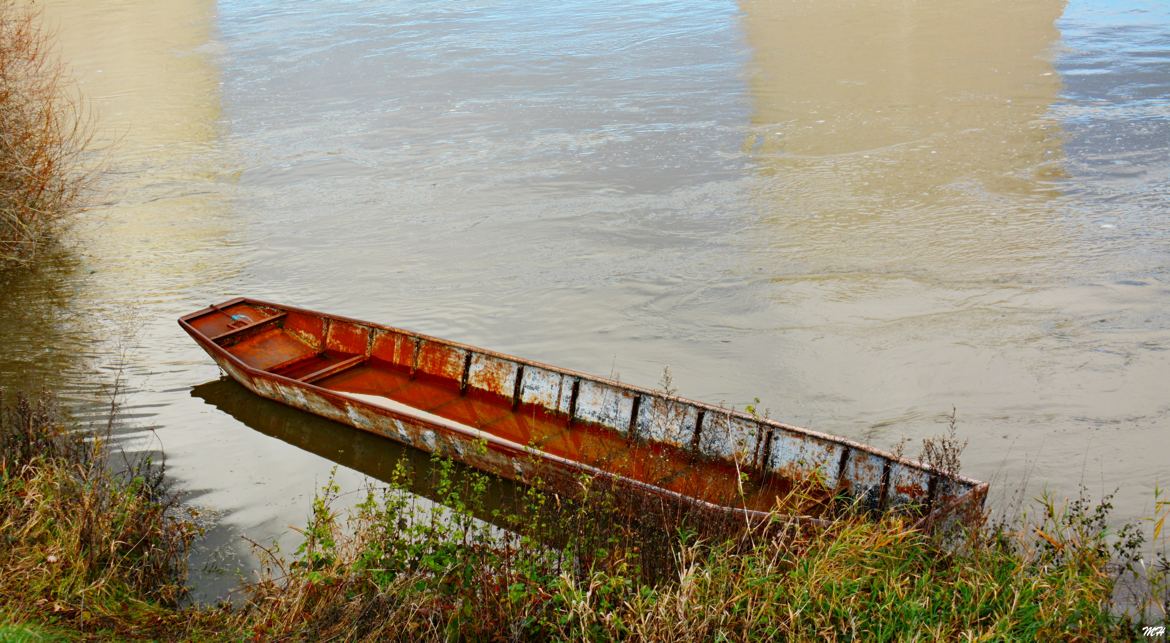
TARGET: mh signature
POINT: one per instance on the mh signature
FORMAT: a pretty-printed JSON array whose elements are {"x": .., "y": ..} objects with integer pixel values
[{"x": 1154, "y": 630}]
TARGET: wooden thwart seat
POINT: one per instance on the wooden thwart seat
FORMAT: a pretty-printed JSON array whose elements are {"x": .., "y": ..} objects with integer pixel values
[
  {"x": 333, "y": 369},
  {"x": 248, "y": 326}
]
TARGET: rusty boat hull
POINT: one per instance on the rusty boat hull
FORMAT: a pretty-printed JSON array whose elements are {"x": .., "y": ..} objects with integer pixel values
[{"x": 525, "y": 420}]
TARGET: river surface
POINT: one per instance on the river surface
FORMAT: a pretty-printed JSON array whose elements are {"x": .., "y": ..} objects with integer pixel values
[{"x": 863, "y": 213}]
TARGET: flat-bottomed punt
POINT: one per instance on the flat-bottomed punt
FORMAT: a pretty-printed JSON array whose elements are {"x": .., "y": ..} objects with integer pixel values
[{"x": 525, "y": 420}]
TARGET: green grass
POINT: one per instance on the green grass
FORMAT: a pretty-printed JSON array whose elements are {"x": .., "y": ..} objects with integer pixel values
[
  {"x": 28, "y": 633},
  {"x": 97, "y": 554}
]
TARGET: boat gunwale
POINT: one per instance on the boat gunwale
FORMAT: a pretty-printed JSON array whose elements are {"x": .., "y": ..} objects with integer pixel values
[{"x": 975, "y": 490}]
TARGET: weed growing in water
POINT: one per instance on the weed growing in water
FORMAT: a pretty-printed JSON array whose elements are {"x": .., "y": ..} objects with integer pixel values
[{"x": 944, "y": 453}]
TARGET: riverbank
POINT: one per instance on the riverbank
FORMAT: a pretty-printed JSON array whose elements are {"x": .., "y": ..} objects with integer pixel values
[
  {"x": 97, "y": 549},
  {"x": 91, "y": 545}
]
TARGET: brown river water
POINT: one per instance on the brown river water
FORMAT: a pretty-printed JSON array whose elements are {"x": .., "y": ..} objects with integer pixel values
[{"x": 863, "y": 213}]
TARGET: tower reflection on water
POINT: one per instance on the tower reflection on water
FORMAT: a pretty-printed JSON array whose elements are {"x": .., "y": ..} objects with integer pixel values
[{"x": 909, "y": 136}]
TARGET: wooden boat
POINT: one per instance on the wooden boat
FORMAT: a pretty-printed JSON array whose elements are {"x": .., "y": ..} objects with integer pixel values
[{"x": 525, "y": 420}]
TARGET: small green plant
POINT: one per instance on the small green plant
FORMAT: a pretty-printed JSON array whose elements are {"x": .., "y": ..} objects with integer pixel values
[
  {"x": 319, "y": 548},
  {"x": 1151, "y": 585}
]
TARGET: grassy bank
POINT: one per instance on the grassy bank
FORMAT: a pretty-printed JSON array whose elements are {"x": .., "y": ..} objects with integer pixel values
[
  {"x": 96, "y": 550},
  {"x": 390, "y": 572},
  {"x": 89, "y": 545},
  {"x": 43, "y": 133}
]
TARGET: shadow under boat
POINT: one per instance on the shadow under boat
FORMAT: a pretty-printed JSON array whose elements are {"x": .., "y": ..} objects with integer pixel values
[{"x": 372, "y": 455}]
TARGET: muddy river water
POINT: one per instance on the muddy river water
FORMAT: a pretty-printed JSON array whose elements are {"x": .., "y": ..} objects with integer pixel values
[{"x": 863, "y": 213}]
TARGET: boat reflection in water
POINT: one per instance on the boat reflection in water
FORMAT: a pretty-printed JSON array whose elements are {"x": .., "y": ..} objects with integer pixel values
[{"x": 369, "y": 454}]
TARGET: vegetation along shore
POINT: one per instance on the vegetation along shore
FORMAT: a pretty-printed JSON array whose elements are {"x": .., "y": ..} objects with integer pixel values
[{"x": 96, "y": 546}]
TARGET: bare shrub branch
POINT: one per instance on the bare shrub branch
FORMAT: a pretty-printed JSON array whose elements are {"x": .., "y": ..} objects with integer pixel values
[{"x": 44, "y": 131}]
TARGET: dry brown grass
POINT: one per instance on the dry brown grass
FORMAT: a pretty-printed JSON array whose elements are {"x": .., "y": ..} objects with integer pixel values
[
  {"x": 944, "y": 452},
  {"x": 43, "y": 133},
  {"x": 87, "y": 543}
]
